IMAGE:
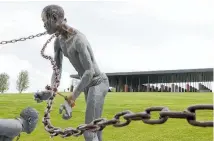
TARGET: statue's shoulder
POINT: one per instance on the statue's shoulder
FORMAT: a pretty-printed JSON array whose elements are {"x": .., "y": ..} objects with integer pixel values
[{"x": 80, "y": 38}]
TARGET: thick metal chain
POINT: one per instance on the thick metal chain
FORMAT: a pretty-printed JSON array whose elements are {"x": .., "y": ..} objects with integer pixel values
[
  {"x": 99, "y": 124},
  {"x": 23, "y": 39}
]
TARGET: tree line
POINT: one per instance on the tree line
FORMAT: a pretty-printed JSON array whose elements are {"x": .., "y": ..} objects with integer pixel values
[{"x": 22, "y": 82}]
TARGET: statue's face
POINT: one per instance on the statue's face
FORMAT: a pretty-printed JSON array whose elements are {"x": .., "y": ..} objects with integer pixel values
[{"x": 50, "y": 23}]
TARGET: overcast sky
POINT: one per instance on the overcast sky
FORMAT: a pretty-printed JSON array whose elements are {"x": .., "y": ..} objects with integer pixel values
[{"x": 125, "y": 36}]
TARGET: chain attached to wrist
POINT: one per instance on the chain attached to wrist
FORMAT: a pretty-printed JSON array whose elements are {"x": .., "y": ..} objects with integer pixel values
[{"x": 70, "y": 101}]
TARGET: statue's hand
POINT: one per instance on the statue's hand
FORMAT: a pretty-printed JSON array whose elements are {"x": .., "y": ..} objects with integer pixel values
[
  {"x": 43, "y": 95},
  {"x": 68, "y": 110}
]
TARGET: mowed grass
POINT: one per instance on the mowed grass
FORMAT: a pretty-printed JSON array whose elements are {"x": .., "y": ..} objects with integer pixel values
[{"x": 172, "y": 130}]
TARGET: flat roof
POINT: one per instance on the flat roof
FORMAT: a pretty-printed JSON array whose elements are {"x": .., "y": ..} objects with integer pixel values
[{"x": 155, "y": 72}]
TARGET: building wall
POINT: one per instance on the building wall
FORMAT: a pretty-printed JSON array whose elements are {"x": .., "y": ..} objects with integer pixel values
[
  {"x": 178, "y": 82},
  {"x": 195, "y": 80}
]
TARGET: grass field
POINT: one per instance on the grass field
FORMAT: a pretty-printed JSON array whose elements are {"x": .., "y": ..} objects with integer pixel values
[{"x": 172, "y": 130}]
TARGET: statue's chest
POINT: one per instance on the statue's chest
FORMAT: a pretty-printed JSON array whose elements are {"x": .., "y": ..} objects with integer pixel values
[{"x": 67, "y": 47}]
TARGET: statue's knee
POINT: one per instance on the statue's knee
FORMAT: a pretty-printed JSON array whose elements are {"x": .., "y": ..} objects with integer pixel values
[
  {"x": 88, "y": 119},
  {"x": 90, "y": 136}
]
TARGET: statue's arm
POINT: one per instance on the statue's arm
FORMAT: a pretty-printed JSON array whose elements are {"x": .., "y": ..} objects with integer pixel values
[
  {"x": 10, "y": 127},
  {"x": 86, "y": 62},
  {"x": 58, "y": 57}
]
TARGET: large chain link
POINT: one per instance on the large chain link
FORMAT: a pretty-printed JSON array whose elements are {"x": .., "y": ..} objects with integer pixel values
[
  {"x": 101, "y": 123},
  {"x": 23, "y": 39}
]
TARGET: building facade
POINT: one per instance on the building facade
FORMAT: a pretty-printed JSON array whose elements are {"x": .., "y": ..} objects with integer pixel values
[{"x": 188, "y": 80}]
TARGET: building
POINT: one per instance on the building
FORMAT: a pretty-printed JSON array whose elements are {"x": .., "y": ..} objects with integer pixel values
[{"x": 185, "y": 80}]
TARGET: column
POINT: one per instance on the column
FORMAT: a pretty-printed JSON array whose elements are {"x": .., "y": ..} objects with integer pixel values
[
  {"x": 176, "y": 88},
  {"x": 173, "y": 88},
  {"x": 148, "y": 87}
]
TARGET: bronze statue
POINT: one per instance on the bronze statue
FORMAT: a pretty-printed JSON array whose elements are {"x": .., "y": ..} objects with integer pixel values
[{"x": 74, "y": 45}]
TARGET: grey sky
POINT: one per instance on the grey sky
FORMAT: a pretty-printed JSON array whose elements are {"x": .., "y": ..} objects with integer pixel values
[{"x": 125, "y": 36}]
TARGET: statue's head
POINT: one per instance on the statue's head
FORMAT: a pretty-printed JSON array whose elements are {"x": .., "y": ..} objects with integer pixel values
[
  {"x": 52, "y": 16},
  {"x": 29, "y": 118}
]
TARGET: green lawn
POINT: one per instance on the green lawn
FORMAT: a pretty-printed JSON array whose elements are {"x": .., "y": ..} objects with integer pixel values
[{"x": 172, "y": 130}]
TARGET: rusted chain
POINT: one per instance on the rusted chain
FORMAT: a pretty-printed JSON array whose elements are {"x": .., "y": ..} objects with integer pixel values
[
  {"x": 23, "y": 39},
  {"x": 102, "y": 123}
]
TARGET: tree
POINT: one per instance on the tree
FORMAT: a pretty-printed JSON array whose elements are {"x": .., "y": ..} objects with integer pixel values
[
  {"x": 22, "y": 82},
  {"x": 4, "y": 82}
]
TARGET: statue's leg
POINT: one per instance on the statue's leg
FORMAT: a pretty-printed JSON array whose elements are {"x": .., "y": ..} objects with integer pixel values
[
  {"x": 86, "y": 94},
  {"x": 104, "y": 90},
  {"x": 94, "y": 109}
]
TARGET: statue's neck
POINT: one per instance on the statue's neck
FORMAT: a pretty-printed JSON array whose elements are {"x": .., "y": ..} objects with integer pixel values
[
  {"x": 66, "y": 30},
  {"x": 23, "y": 123}
]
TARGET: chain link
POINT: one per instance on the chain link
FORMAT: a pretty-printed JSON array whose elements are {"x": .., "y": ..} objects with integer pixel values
[
  {"x": 101, "y": 123},
  {"x": 23, "y": 39},
  {"x": 145, "y": 116}
]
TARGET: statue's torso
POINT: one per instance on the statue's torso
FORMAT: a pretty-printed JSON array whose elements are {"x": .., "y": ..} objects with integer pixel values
[{"x": 69, "y": 50}]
